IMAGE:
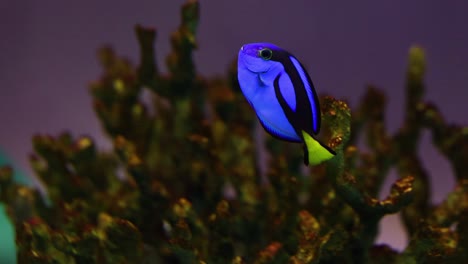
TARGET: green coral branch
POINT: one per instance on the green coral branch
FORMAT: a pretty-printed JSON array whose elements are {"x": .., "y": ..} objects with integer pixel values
[
  {"x": 180, "y": 59},
  {"x": 451, "y": 140},
  {"x": 399, "y": 149},
  {"x": 147, "y": 71},
  {"x": 449, "y": 211}
]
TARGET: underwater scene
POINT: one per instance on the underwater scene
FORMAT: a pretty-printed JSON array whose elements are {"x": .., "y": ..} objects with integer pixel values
[{"x": 257, "y": 163}]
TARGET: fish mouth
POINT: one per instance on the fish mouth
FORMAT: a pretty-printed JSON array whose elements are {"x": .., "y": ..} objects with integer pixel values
[{"x": 247, "y": 51}]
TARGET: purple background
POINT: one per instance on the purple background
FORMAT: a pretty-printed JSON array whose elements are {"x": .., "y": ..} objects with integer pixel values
[{"x": 48, "y": 58}]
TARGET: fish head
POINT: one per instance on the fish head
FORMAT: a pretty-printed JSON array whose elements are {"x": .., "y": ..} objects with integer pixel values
[{"x": 257, "y": 57}]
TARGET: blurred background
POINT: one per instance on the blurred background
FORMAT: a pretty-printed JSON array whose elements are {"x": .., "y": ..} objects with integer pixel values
[{"x": 47, "y": 59}]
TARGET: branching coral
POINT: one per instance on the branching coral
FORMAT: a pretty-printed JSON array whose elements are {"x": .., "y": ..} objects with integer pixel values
[{"x": 182, "y": 184}]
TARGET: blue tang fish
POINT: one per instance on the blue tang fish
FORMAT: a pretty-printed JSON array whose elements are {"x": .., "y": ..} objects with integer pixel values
[{"x": 281, "y": 92}]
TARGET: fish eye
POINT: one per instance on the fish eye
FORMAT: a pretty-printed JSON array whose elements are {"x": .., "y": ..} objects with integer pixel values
[{"x": 265, "y": 53}]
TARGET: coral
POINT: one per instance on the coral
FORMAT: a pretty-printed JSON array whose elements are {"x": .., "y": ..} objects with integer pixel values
[{"x": 182, "y": 184}]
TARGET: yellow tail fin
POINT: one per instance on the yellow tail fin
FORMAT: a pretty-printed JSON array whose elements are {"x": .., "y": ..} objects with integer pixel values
[{"x": 315, "y": 153}]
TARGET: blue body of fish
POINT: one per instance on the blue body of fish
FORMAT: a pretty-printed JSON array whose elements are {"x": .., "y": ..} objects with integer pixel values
[{"x": 281, "y": 92}]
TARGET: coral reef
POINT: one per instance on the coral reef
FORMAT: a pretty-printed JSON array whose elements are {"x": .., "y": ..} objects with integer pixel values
[{"x": 182, "y": 184}]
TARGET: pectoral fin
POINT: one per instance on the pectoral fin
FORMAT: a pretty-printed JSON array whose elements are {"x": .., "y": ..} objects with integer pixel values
[{"x": 314, "y": 152}]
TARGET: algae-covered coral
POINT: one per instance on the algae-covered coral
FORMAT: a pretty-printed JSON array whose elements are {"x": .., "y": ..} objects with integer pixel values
[{"x": 183, "y": 182}]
